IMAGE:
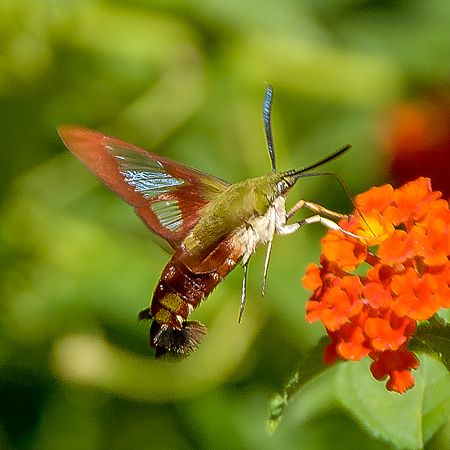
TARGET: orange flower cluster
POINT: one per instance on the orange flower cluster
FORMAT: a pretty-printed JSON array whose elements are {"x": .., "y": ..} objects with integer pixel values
[{"x": 370, "y": 292}]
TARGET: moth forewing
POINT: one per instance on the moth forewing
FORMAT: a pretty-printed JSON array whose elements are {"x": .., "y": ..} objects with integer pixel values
[{"x": 166, "y": 195}]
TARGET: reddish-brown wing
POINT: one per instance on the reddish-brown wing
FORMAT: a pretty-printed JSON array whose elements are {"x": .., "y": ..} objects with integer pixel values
[{"x": 166, "y": 195}]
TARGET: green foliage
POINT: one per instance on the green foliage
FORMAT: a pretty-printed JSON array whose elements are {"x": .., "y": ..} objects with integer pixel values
[
  {"x": 311, "y": 366},
  {"x": 187, "y": 79},
  {"x": 434, "y": 337},
  {"x": 405, "y": 421}
]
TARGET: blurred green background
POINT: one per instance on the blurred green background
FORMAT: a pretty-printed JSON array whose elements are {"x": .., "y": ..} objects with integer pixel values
[{"x": 187, "y": 79}]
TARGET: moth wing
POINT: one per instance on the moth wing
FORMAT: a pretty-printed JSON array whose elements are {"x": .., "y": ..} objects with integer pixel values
[
  {"x": 221, "y": 258},
  {"x": 166, "y": 195}
]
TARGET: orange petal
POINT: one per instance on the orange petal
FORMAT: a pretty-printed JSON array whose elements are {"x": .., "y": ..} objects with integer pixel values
[
  {"x": 377, "y": 295},
  {"x": 395, "y": 365},
  {"x": 400, "y": 381},
  {"x": 411, "y": 201},
  {"x": 311, "y": 279},
  {"x": 346, "y": 252},
  {"x": 396, "y": 248},
  {"x": 388, "y": 333},
  {"x": 416, "y": 297},
  {"x": 352, "y": 343},
  {"x": 375, "y": 199}
]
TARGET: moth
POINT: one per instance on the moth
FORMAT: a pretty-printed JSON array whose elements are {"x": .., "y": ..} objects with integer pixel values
[{"x": 209, "y": 224}]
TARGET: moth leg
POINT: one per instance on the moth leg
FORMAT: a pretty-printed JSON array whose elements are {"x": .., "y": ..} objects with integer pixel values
[
  {"x": 293, "y": 227},
  {"x": 313, "y": 207},
  {"x": 266, "y": 266},
  {"x": 243, "y": 292}
]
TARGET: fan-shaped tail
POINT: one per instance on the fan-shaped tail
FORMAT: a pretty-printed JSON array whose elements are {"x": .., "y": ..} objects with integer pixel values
[{"x": 174, "y": 342}]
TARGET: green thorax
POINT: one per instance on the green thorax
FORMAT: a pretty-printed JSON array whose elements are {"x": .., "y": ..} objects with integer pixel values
[{"x": 233, "y": 208}]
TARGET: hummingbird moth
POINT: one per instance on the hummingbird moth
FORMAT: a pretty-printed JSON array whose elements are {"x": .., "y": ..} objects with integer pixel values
[{"x": 210, "y": 225}]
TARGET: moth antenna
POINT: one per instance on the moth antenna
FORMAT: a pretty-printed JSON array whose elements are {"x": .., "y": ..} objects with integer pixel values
[
  {"x": 267, "y": 117},
  {"x": 326, "y": 159}
]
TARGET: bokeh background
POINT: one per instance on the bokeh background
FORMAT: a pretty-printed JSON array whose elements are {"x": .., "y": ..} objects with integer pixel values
[{"x": 187, "y": 79}]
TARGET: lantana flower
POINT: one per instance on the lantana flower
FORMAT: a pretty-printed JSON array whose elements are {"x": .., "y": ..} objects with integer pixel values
[{"x": 370, "y": 292}]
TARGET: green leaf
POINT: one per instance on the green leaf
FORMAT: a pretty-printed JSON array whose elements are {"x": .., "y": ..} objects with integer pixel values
[
  {"x": 434, "y": 338},
  {"x": 403, "y": 421},
  {"x": 311, "y": 366},
  {"x": 392, "y": 417},
  {"x": 436, "y": 398},
  {"x": 406, "y": 421}
]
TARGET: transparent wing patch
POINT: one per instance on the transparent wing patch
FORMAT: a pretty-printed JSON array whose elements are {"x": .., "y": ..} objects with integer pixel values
[
  {"x": 168, "y": 213},
  {"x": 148, "y": 177}
]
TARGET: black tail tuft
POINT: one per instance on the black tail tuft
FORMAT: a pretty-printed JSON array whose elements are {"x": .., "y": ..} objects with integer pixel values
[{"x": 177, "y": 343}]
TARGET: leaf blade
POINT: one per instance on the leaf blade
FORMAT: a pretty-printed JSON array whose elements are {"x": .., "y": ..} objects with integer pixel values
[{"x": 311, "y": 366}]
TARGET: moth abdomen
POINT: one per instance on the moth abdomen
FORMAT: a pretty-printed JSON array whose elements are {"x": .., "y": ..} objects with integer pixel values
[{"x": 177, "y": 294}]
